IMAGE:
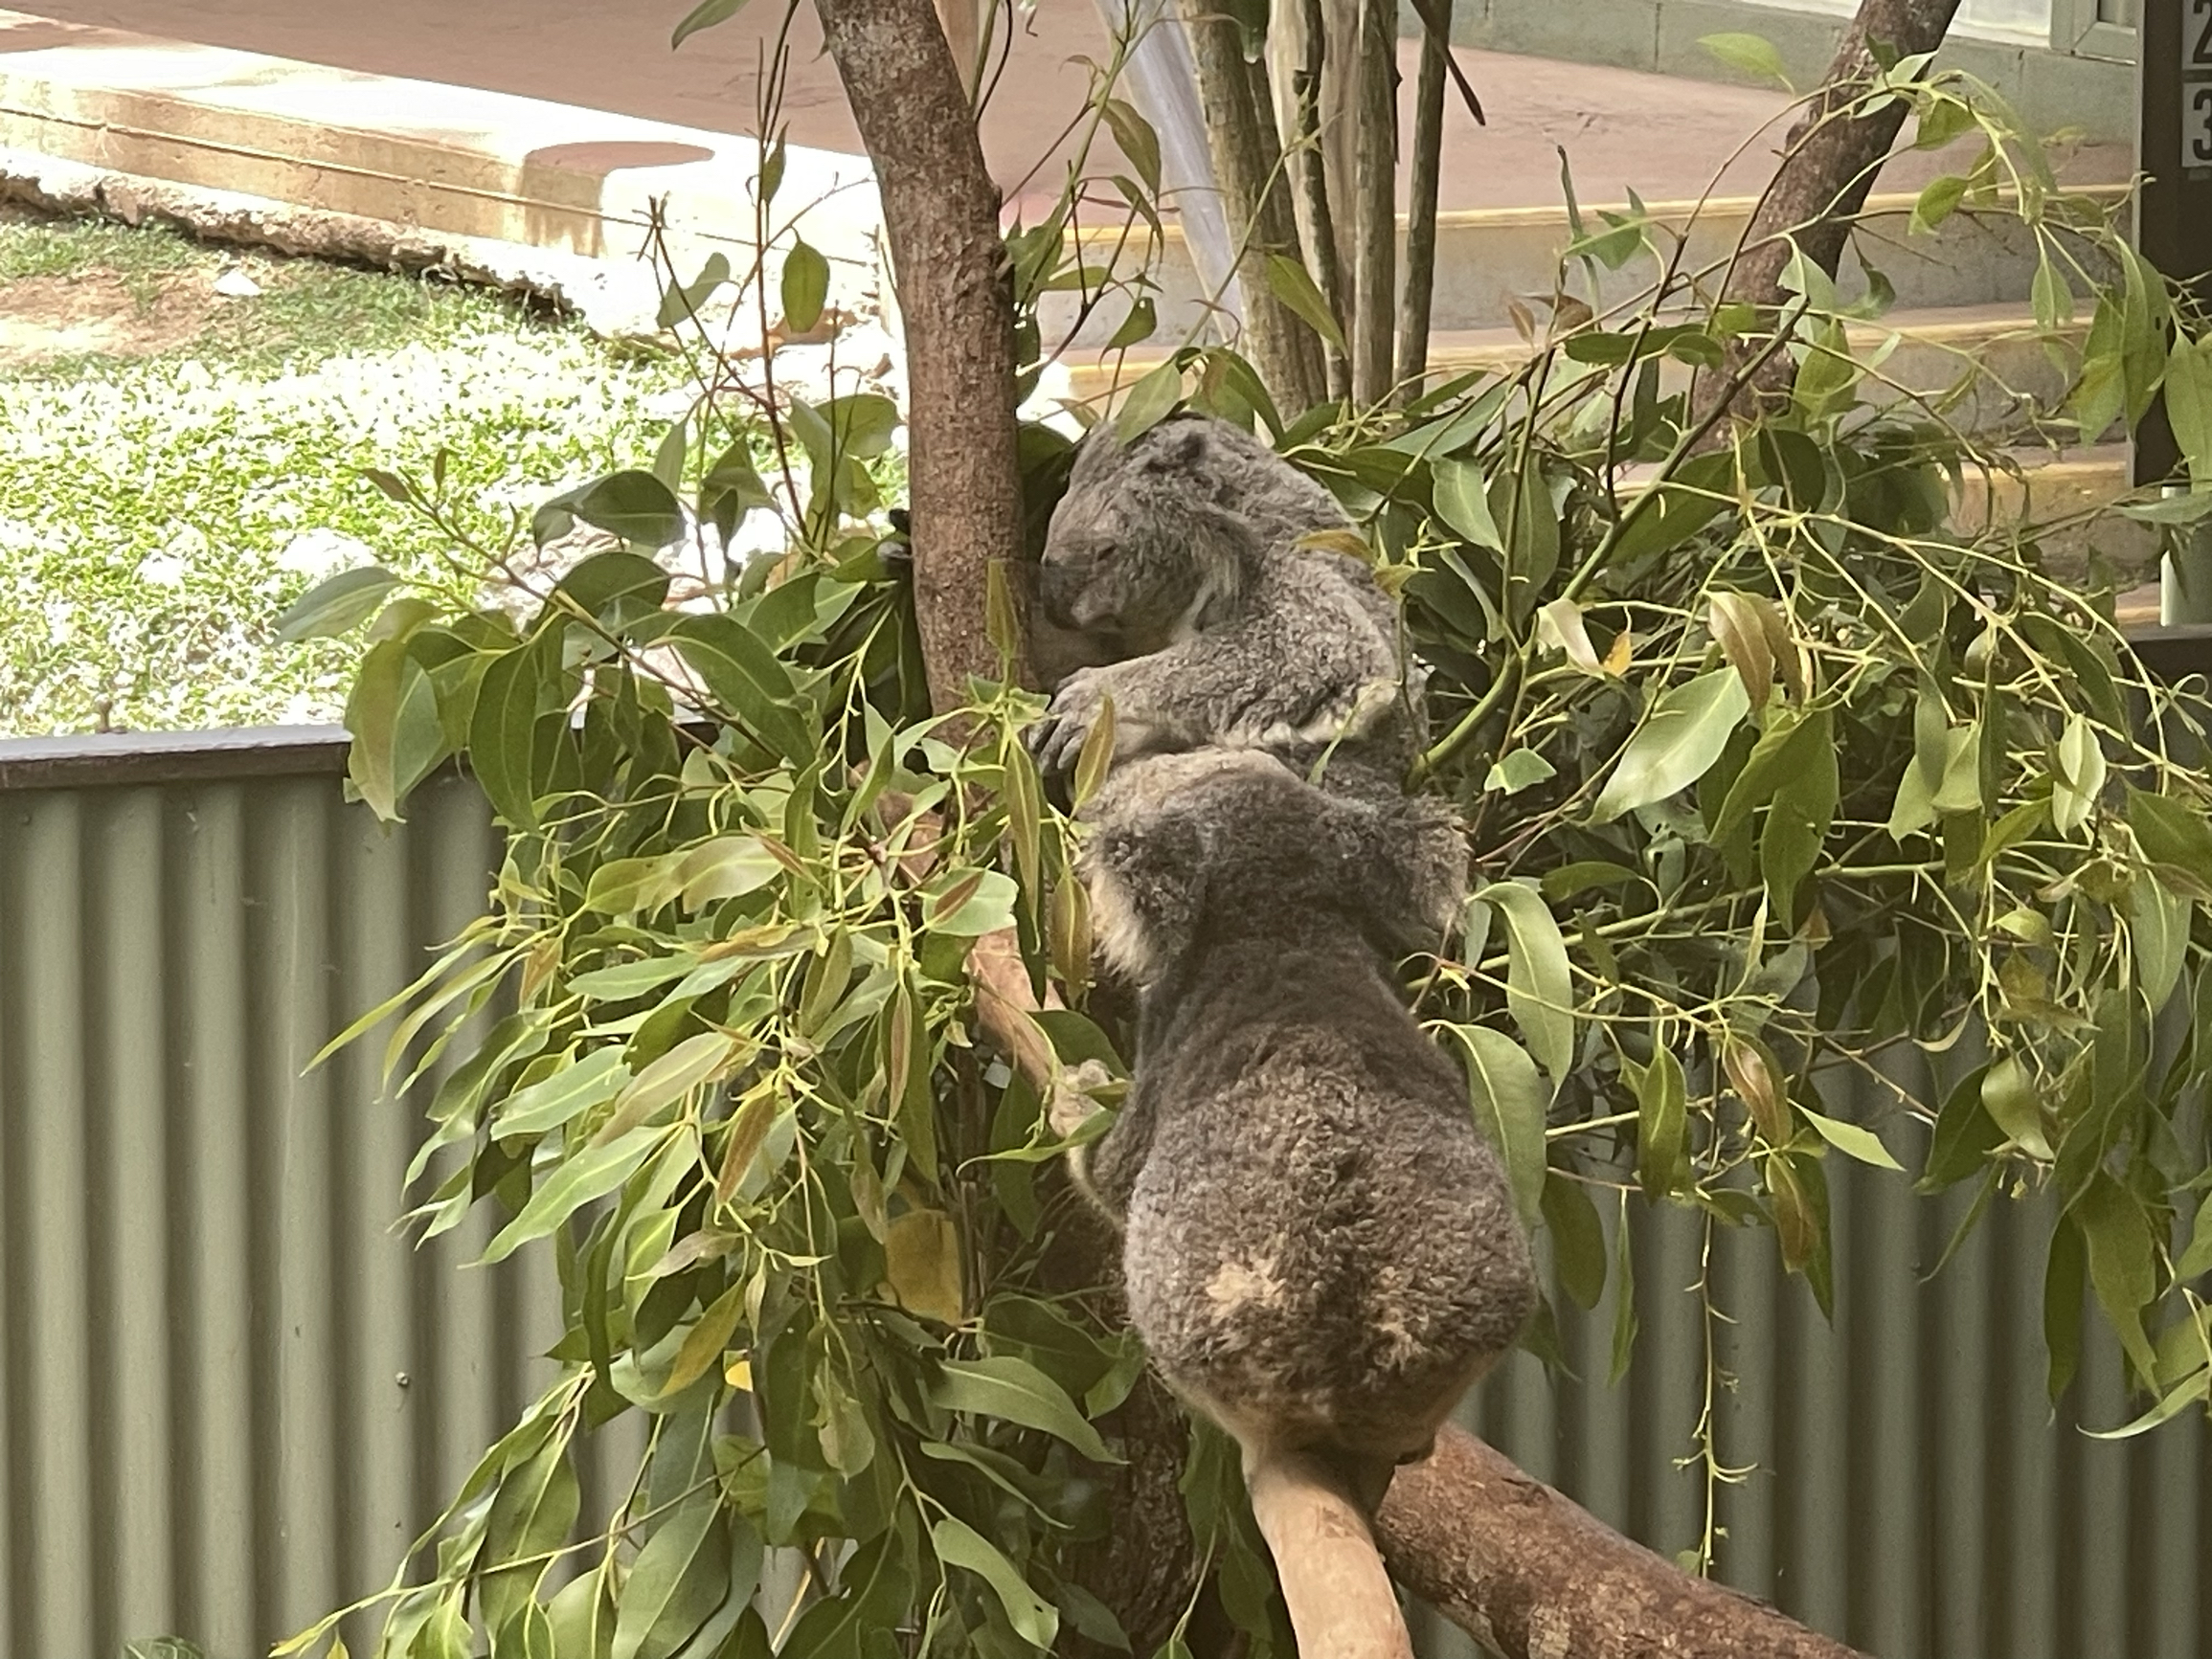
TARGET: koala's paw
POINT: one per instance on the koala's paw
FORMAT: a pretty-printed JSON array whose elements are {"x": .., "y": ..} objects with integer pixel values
[{"x": 1057, "y": 740}]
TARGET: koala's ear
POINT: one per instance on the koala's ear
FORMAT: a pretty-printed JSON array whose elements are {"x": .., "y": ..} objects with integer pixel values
[
  {"x": 1177, "y": 445},
  {"x": 1417, "y": 882},
  {"x": 1146, "y": 872}
]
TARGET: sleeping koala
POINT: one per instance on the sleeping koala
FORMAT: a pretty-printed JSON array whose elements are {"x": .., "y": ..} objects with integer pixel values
[{"x": 1175, "y": 556}]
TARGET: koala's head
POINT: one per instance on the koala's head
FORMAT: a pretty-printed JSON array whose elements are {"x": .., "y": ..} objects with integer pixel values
[
  {"x": 1232, "y": 843},
  {"x": 1154, "y": 531}
]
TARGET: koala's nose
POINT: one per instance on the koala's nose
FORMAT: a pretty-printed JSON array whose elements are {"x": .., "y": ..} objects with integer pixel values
[{"x": 1057, "y": 589}]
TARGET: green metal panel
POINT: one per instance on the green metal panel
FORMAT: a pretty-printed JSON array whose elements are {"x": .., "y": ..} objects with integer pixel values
[{"x": 230, "y": 1395}]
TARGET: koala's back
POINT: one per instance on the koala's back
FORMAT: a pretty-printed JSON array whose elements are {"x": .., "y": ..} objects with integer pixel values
[{"x": 1320, "y": 1240}]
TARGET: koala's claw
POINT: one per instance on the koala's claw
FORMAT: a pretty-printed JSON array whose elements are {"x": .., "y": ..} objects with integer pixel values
[{"x": 1057, "y": 740}]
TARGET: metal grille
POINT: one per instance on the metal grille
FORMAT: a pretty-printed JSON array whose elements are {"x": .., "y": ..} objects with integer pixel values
[{"x": 230, "y": 1394}]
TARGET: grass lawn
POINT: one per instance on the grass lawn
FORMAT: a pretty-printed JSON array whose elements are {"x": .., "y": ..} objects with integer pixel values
[{"x": 177, "y": 464}]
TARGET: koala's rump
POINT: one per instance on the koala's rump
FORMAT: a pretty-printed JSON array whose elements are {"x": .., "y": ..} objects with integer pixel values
[{"x": 1322, "y": 1251}]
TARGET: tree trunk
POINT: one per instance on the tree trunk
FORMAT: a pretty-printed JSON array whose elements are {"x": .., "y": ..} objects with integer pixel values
[
  {"x": 1299, "y": 36},
  {"x": 940, "y": 213},
  {"x": 1531, "y": 1574},
  {"x": 1420, "y": 282},
  {"x": 1247, "y": 164},
  {"x": 1374, "y": 206},
  {"x": 1829, "y": 164}
]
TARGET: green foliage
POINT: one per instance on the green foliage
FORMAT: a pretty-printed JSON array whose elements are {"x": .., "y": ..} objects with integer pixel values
[{"x": 1773, "y": 772}]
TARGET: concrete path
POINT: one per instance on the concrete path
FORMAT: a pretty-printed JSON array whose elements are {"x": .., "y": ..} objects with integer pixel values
[{"x": 1664, "y": 138}]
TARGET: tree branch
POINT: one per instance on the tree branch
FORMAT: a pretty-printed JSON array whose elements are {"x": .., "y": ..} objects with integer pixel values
[
  {"x": 1420, "y": 278},
  {"x": 940, "y": 214},
  {"x": 1531, "y": 1573},
  {"x": 1829, "y": 164},
  {"x": 1374, "y": 203}
]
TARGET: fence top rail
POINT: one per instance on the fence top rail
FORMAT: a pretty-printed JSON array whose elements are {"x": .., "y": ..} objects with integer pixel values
[{"x": 117, "y": 758}]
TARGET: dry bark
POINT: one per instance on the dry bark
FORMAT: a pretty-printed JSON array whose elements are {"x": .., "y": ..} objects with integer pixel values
[
  {"x": 1256, "y": 198},
  {"x": 1334, "y": 1586},
  {"x": 940, "y": 213},
  {"x": 1535, "y": 1576},
  {"x": 1830, "y": 163}
]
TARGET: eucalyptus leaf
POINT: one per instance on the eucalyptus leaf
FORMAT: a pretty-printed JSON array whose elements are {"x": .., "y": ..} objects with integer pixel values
[
  {"x": 679, "y": 1577},
  {"x": 1850, "y": 1139},
  {"x": 337, "y": 604},
  {"x": 1509, "y": 1100},
  {"x": 1676, "y": 744},
  {"x": 585, "y": 1175},
  {"x": 1012, "y": 1389},
  {"x": 1539, "y": 984},
  {"x": 1035, "y": 1620}
]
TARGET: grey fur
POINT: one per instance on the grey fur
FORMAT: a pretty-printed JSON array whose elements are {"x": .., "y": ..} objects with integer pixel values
[
  {"x": 1320, "y": 1246},
  {"x": 1175, "y": 556}
]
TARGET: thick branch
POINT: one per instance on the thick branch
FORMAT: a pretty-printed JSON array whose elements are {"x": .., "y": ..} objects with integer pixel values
[
  {"x": 1829, "y": 164},
  {"x": 1304, "y": 39},
  {"x": 940, "y": 213},
  {"x": 1530, "y": 1573},
  {"x": 1339, "y": 1598}
]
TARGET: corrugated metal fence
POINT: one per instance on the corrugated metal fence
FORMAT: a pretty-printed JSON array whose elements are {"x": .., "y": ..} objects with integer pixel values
[{"x": 230, "y": 1394}]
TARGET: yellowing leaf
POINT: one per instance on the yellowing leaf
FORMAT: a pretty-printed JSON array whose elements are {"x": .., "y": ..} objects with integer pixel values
[
  {"x": 706, "y": 1342},
  {"x": 1560, "y": 624},
  {"x": 748, "y": 1130},
  {"x": 921, "y": 1252},
  {"x": 1736, "y": 625}
]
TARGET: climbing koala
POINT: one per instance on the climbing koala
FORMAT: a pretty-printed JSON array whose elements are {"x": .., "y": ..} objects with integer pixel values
[
  {"x": 1175, "y": 554},
  {"x": 1319, "y": 1246}
]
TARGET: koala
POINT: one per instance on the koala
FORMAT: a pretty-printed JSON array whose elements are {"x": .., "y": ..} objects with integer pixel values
[
  {"x": 1321, "y": 1247},
  {"x": 1174, "y": 555}
]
